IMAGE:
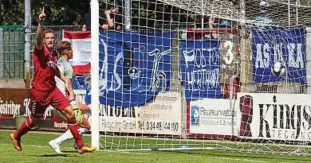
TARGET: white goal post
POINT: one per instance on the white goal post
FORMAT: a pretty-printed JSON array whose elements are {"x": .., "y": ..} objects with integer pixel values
[
  {"x": 201, "y": 74},
  {"x": 94, "y": 72}
]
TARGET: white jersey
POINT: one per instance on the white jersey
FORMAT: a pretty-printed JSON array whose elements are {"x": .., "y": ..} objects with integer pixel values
[{"x": 65, "y": 69}]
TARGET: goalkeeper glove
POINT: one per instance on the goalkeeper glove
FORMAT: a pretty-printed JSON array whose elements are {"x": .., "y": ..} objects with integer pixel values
[{"x": 77, "y": 111}]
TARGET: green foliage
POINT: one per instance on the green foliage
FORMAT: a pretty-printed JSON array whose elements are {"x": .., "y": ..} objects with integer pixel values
[
  {"x": 11, "y": 12},
  {"x": 58, "y": 12},
  {"x": 145, "y": 13}
]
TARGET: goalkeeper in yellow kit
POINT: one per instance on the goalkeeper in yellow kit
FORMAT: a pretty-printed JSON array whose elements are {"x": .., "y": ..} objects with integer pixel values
[{"x": 65, "y": 86}]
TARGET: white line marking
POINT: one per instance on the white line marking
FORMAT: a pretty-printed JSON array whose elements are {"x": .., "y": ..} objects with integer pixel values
[
  {"x": 237, "y": 159},
  {"x": 135, "y": 153}
]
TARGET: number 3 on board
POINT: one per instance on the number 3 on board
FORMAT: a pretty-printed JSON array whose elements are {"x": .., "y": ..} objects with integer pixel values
[{"x": 228, "y": 58}]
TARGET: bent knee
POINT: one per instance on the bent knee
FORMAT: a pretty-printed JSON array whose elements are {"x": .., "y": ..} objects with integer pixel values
[{"x": 69, "y": 113}]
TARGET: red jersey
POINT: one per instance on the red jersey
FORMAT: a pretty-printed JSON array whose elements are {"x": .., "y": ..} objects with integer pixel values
[{"x": 43, "y": 79}]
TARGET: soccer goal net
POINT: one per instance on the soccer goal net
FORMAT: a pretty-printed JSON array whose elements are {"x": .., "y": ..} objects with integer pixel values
[{"x": 201, "y": 74}]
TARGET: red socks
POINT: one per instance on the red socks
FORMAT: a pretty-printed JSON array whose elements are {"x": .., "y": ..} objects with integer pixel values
[
  {"x": 73, "y": 127},
  {"x": 29, "y": 123},
  {"x": 24, "y": 128}
]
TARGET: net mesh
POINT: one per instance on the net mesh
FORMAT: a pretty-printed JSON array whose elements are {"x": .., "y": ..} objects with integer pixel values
[{"x": 205, "y": 74}]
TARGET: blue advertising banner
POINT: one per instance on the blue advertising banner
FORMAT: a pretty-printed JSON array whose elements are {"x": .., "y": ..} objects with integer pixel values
[
  {"x": 133, "y": 68},
  {"x": 271, "y": 45},
  {"x": 200, "y": 65}
]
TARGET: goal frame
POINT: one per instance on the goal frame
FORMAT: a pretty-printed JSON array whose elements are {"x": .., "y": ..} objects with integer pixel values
[
  {"x": 95, "y": 82},
  {"x": 94, "y": 73}
]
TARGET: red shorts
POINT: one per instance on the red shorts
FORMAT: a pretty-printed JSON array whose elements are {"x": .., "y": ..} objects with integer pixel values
[{"x": 39, "y": 101}]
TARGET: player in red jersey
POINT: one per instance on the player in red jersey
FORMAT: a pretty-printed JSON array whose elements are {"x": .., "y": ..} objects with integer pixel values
[{"x": 43, "y": 90}]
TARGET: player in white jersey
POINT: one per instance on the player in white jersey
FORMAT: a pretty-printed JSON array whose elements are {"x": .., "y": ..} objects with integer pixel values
[{"x": 65, "y": 86}]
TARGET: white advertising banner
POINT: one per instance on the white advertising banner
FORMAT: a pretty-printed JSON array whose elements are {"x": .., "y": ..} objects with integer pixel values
[
  {"x": 275, "y": 116},
  {"x": 213, "y": 116},
  {"x": 161, "y": 116}
]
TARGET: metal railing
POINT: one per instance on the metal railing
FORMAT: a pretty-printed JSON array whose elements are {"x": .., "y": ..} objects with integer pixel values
[
  {"x": 12, "y": 45},
  {"x": 12, "y": 48}
]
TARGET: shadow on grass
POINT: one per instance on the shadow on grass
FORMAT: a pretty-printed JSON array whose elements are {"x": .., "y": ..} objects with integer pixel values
[
  {"x": 55, "y": 155},
  {"x": 75, "y": 152},
  {"x": 72, "y": 151},
  {"x": 240, "y": 155}
]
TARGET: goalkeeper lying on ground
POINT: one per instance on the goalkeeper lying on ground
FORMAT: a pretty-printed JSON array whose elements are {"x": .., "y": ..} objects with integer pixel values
[{"x": 65, "y": 86}]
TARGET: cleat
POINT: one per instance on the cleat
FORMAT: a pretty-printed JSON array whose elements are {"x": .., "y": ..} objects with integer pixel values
[
  {"x": 16, "y": 142},
  {"x": 55, "y": 146},
  {"x": 81, "y": 151},
  {"x": 86, "y": 149}
]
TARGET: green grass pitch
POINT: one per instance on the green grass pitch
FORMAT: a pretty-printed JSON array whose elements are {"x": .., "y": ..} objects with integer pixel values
[{"x": 37, "y": 150}]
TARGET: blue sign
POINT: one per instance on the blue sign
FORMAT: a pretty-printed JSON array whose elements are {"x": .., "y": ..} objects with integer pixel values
[
  {"x": 78, "y": 82},
  {"x": 195, "y": 115},
  {"x": 200, "y": 65},
  {"x": 270, "y": 45},
  {"x": 133, "y": 67}
]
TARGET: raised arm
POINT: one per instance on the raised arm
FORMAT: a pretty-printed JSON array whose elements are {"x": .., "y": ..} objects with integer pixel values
[
  {"x": 110, "y": 21},
  {"x": 40, "y": 30}
]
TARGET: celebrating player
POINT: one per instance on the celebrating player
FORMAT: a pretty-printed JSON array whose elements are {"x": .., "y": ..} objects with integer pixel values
[
  {"x": 65, "y": 85},
  {"x": 43, "y": 90}
]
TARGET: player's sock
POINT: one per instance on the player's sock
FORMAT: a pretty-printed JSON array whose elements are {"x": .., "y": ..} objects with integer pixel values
[
  {"x": 81, "y": 132},
  {"x": 74, "y": 128},
  {"x": 24, "y": 128},
  {"x": 64, "y": 137}
]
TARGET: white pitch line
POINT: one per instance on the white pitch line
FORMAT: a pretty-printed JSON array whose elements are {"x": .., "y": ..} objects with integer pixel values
[
  {"x": 135, "y": 153},
  {"x": 237, "y": 159}
]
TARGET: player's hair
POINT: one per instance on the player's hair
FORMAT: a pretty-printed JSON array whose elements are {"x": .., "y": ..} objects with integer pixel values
[
  {"x": 48, "y": 31},
  {"x": 62, "y": 46}
]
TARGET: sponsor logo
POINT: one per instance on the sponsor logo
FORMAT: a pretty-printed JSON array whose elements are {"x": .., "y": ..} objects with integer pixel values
[
  {"x": 266, "y": 89},
  {"x": 116, "y": 111},
  {"x": 62, "y": 125},
  {"x": 195, "y": 115},
  {"x": 9, "y": 108},
  {"x": 289, "y": 121}
]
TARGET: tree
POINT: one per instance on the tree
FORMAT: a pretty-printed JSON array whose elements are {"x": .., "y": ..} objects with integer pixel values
[
  {"x": 58, "y": 12},
  {"x": 11, "y": 12}
]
